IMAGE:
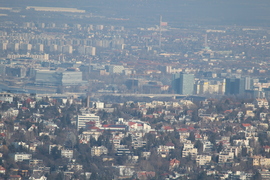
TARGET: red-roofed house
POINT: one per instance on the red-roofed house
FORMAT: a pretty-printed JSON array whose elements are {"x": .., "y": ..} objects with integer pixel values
[
  {"x": 184, "y": 133},
  {"x": 138, "y": 126},
  {"x": 14, "y": 177},
  {"x": 149, "y": 116},
  {"x": 227, "y": 111},
  {"x": 170, "y": 145},
  {"x": 198, "y": 136},
  {"x": 145, "y": 174},
  {"x": 247, "y": 126},
  {"x": 174, "y": 163},
  {"x": 24, "y": 108},
  {"x": 167, "y": 129},
  {"x": 2, "y": 170},
  {"x": 266, "y": 148}
]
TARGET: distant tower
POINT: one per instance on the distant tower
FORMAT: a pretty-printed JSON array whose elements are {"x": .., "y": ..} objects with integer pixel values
[
  {"x": 205, "y": 41},
  {"x": 160, "y": 23},
  {"x": 88, "y": 101},
  {"x": 89, "y": 85},
  {"x": 206, "y": 47}
]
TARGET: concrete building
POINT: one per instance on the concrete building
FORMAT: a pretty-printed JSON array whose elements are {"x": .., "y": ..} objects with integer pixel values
[
  {"x": 203, "y": 159},
  {"x": 210, "y": 87},
  {"x": 115, "y": 69},
  {"x": 39, "y": 47},
  {"x": 67, "y": 153},
  {"x": 90, "y": 50},
  {"x": 55, "y": 78},
  {"x": 48, "y": 77},
  {"x": 261, "y": 102},
  {"x": 3, "y": 46},
  {"x": 19, "y": 157},
  {"x": 56, "y": 9},
  {"x": 26, "y": 47},
  {"x": 71, "y": 78},
  {"x": 192, "y": 152},
  {"x": 67, "y": 49},
  {"x": 235, "y": 86},
  {"x": 98, "y": 150},
  {"x": 53, "y": 48},
  {"x": 225, "y": 156},
  {"x": 84, "y": 118},
  {"x": 6, "y": 97}
]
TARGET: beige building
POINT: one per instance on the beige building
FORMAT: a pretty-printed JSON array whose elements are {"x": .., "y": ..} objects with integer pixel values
[
  {"x": 225, "y": 156},
  {"x": 203, "y": 159},
  {"x": 190, "y": 151},
  {"x": 261, "y": 102},
  {"x": 67, "y": 153},
  {"x": 261, "y": 161},
  {"x": 163, "y": 151},
  {"x": 98, "y": 150}
]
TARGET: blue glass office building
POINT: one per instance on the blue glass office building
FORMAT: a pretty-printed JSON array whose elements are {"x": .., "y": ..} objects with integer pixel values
[{"x": 183, "y": 83}]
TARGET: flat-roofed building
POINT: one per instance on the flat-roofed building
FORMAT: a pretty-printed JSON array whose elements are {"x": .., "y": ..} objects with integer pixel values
[{"x": 84, "y": 118}]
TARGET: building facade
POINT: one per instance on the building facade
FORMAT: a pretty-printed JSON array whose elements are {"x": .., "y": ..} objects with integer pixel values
[{"x": 183, "y": 83}]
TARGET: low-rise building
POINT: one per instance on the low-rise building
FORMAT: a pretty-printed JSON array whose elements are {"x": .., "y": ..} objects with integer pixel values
[
  {"x": 19, "y": 157},
  {"x": 203, "y": 159},
  {"x": 98, "y": 150},
  {"x": 190, "y": 151},
  {"x": 225, "y": 157},
  {"x": 67, "y": 153}
]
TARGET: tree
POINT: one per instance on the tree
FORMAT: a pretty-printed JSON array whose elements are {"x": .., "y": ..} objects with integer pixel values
[
  {"x": 93, "y": 142},
  {"x": 60, "y": 176},
  {"x": 191, "y": 137},
  {"x": 202, "y": 176},
  {"x": 127, "y": 141},
  {"x": 257, "y": 176},
  {"x": 56, "y": 154},
  {"x": 199, "y": 145},
  {"x": 220, "y": 147}
]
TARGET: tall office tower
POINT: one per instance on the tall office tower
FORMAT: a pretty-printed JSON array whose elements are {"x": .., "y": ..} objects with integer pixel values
[
  {"x": 183, "y": 83},
  {"x": 235, "y": 86},
  {"x": 14, "y": 46},
  {"x": 53, "y": 48},
  {"x": 81, "y": 49},
  {"x": 90, "y": 50},
  {"x": 39, "y": 47},
  {"x": 249, "y": 83},
  {"x": 3, "y": 46},
  {"x": 67, "y": 49},
  {"x": 26, "y": 47}
]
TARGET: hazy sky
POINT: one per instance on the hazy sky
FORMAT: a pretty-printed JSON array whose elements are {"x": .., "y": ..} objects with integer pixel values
[{"x": 216, "y": 12}]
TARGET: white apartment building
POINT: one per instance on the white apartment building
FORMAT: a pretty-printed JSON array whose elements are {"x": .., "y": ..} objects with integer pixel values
[
  {"x": 6, "y": 97},
  {"x": 203, "y": 159},
  {"x": 98, "y": 150},
  {"x": 192, "y": 152},
  {"x": 84, "y": 118},
  {"x": 225, "y": 156},
  {"x": 67, "y": 153},
  {"x": 19, "y": 157}
]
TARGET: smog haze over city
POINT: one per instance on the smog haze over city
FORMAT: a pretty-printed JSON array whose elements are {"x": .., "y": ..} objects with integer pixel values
[
  {"x": 134, "y": 89},
  {"x": 177, "y": 12}
]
